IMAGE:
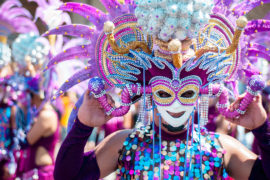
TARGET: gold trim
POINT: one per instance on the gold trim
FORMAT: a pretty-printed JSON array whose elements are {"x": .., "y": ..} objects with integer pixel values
[
  {"x": 166, "y": 89},
  {"x": 187, "y": 88},
  {"x": 132, "y": 45},
  {"x": 52, "y": 39},
  {"x": 164, "y": 56},
  {"x": 177, "y": 60},
  {"x": 229, "y": 50},
  {"x": 3, "y": 39}
]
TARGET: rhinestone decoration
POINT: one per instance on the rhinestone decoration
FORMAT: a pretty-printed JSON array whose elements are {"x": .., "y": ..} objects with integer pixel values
[{"x": 204, "y": 107}]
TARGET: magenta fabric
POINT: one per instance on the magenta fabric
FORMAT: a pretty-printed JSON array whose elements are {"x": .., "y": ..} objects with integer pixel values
[
  {"x": 26, "y": 162},
  {"x": 113, "y": 125},
  {"x": 43, "y": 173}
]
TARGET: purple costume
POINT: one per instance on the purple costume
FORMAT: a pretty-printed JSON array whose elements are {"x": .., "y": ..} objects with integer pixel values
[
  {"x": 27, "y": 168},
  {"x": 72, "y": 152}
]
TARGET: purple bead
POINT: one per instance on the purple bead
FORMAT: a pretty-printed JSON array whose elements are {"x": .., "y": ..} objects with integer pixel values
[
  {"x": 96, "y": 85},
  {"x": 128, "y": 158},
  {"x": 166, "y": 176},
  {"x": 256, "y": 83},
  {"x": 175, "y": 83}
]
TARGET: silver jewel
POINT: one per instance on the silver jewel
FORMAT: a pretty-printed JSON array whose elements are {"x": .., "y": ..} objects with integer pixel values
[
  {"x": 220, "y": 90},
  {"x": 129, "y": 90},
  {"x": 110, "y": 111},
  {"x": 240, "y": 111},
  {"x": 126, "y": 104},
  {"x": 249, "y": 90},
  {"x": 222, "y": 106},
  {"x": 204, "y": 105},
  {"x": 139, "y": 89},
  {"x": 99, "y": 95}
]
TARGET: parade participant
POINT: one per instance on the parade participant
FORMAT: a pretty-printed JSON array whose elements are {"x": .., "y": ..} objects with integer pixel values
[
  {"x": 36, "y": 159},
  {"x": 14, "y": 19},
  {"x": 153, "y": 57}
]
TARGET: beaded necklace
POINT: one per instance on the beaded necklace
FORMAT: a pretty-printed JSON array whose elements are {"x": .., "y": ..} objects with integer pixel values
[{"x": 139, "y": 159}]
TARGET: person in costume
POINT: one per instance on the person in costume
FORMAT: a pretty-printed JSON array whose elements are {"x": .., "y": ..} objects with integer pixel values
[
  {"x": 173, "y": 55},
  {"x": 37, "y": 158},
  {"x": 14, "y": 19}
]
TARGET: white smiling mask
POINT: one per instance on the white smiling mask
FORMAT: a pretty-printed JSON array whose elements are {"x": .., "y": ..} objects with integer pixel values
[{"x": 169, "y": 113}]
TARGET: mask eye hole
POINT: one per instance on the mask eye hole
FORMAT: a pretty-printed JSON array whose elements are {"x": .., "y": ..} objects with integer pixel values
[
  {"x": 163, "y": 94},
  {"x": 188, "y": 94}
]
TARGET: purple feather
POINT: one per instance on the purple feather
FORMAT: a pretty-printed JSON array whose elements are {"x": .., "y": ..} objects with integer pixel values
[
  {"x": 77, "y": 78},
  {"x": 71, "y": 53},
  {"x": 15, "y": 19},
  {"x": 262, "y": 53},
  {"x": 15, "y": 12},
  {"x": 6, "y": 6},
  {"x": 131, "y": 4},
  {"x": 262, "y": 39},
  {"x": 81, "y": 31},
  {"x": 256, "y": 26},
  {"x": 246, "y": 6},
  {"x": 223, "y": 3},
  {"x": 114, "y": 8},
  {"x": 25, "y": 25},
  {"x": 94, "y": 15}
]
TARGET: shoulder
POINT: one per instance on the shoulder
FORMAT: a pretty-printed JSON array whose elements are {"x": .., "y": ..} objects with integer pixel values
[
  {"x": 228, "y": 141},
  {"x": 117, "y": 138},
  {"x": 47, "y": 114},
  {"x": 113, "y": 143},
  {"x": 233, "y": 147},
  {"x": 47, "y": 117}
]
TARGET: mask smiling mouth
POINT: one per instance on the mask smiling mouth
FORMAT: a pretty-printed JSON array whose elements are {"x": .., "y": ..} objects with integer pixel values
[{"x": 176, "y": 115}]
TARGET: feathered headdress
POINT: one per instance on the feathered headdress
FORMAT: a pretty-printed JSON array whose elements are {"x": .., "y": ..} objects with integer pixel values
[
  {"x": 127, "y": 51},
  {"x": 13, "y": 19}
]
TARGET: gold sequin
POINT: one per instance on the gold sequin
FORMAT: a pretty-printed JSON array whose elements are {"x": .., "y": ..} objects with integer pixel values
[
  {"x": 188, "y": 88},
  {"x": 161, "y": 100}
]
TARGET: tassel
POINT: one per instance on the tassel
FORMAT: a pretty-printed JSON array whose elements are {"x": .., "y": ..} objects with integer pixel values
[{"x": 204, "y": 105}]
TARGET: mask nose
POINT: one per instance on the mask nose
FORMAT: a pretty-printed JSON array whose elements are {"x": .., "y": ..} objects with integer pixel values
[{"x": 176, "y": 105}]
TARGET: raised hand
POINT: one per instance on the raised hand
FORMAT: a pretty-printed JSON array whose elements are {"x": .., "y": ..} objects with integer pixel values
[
  {"x": 91, "y": 113},
  {"x": 255, "y": 114}
]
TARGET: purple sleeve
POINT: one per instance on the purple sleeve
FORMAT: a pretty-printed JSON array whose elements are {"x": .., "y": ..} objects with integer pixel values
[
  {"x": 262, "y": 135},
  {"x": 71, "y": 162}
]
